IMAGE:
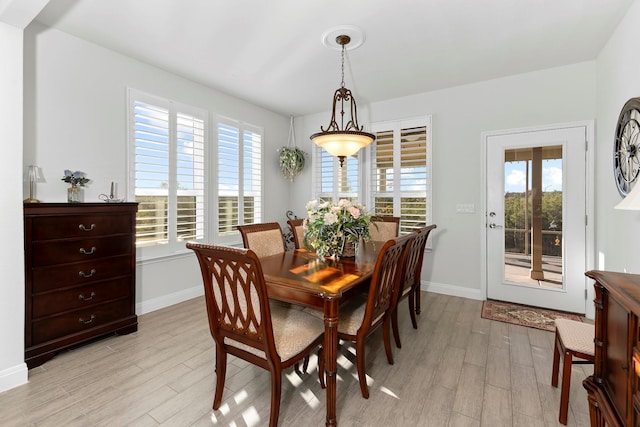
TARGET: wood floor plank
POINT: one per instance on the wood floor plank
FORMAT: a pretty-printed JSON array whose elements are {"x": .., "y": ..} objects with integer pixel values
[{"x": 456, "y": 369}]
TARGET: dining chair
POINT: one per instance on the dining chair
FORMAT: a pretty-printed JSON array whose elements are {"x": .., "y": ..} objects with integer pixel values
[
  {"x": 264, "y": 238},
  {"x": 410, "y": 286},
  {"x": 297, "y": 228},
  {"x": 244, "y": 324},
  {"x": 383, "y": 228},
  {"x": 417, "y": 289},
  {"x": 572, "y": 339},
  {"x": 362, "y": 315}
]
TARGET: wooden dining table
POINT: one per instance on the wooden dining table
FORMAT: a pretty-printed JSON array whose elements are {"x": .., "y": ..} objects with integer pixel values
[{"x": 300, "y": 277}]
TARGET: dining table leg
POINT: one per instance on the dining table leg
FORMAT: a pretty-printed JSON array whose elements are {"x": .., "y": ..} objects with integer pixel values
[{"x": 331, "y": 356}]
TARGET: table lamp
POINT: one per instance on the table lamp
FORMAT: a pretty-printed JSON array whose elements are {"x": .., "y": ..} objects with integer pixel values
[
  {"x": 632, "y": 201},
  {"x": 34, "y": 176}
]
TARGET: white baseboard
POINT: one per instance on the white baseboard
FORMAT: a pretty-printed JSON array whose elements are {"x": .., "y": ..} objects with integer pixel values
[
  {"x": 14, "y": 376},
  {"x": 456, "y": 291},
  {"x": 168, "y": 300}
]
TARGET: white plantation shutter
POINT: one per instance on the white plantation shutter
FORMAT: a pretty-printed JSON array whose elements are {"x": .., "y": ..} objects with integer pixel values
[
  {"x": 151, "y": 148},
  {"x": 239, "y": 171},
  {"x": 333, "y": 182},
  {"x": 190, "y": 177},
  {"x": 167, "y": 156},
  {"x": 401, "y": 171}
]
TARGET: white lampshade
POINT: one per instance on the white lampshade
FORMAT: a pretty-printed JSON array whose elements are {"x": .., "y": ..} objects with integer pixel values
[
  {"x": 342, "y": 144},
  {"x": 632, "y": 201}
]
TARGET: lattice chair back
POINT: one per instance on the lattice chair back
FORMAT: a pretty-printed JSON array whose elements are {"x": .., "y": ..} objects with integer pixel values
[
  {"x": 386, "y": 278},
  {"x": 237, "y": 301}
]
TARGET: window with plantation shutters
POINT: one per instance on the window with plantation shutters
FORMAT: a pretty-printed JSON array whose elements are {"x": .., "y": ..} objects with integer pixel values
[
  {"x": 239, "y": 171},
  {"x": 401, "y": 171},
  {"x": 167, "y": 164},
  {"x": 333, "y": 182}
]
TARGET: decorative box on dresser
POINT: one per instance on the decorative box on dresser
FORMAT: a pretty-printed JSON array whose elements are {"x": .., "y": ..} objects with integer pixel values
[
  {"x": 80, "y": 262},
  {"x": 613, "y": 389}
]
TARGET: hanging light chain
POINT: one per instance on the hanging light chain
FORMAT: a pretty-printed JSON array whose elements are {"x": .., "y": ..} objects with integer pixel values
[{"x": 342, "y": 71}]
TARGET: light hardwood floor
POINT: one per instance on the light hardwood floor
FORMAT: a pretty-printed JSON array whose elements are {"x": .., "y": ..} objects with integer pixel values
[{"x": 457, "y": 369}]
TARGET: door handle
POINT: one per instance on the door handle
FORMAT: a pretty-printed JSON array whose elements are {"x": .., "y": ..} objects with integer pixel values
[{"x": 493, "y": 225}]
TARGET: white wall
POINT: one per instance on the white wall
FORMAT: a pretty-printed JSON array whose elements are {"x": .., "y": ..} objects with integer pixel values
[
  {"x": 75, "y": 118},
  {"x": 13, "y": 370},
  {"x": 460, "y": 115},
  {"x": 617, "y": 232}
]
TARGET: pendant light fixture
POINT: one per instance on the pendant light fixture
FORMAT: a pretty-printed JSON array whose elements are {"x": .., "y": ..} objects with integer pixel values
[{"x": 348, "y": 137}]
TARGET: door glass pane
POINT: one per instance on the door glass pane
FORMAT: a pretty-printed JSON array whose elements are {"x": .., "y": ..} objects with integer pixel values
[{"x": 533, "y": 216}]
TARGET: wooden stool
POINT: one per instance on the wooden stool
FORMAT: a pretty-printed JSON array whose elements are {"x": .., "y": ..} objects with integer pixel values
[{"x": 573, "y": 339}]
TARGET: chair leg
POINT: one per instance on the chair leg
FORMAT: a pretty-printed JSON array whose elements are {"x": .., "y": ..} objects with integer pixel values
[
  {"x": 556, "y": 362},
  {"x": 417, "y": 292},
  {"x": 412, "y": 310},
  {"x": 305, "y": 365},
  {"x": 566, "y": 384},
  {"x": 394, "y": 326},
  {"x": 386, "y": 337},
  {"x": 321, "y": 367},
  {"x": 221, "y": 372},
  {"x": 362, "y": 376},
  {"x": 276, "y": 388}
]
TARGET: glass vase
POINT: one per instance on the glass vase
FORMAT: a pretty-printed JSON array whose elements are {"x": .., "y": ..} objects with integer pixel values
[
  {"x": 348, "y": 249},
  {"x": 74, "y": 195}
]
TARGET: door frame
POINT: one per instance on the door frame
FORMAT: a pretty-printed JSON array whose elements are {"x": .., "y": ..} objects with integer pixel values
[{"x": 588, "y": 125}]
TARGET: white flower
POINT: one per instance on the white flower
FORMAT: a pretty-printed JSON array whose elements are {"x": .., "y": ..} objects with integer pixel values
[
  {"x": 311, "y": 204},
  {"x": 330, "y": 218},
  {"x": 344, "y": 203},
  {"x": 355, "y": 212}
]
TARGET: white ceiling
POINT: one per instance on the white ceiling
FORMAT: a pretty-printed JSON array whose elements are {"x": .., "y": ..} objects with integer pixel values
[{"x": 269, "y": 52}]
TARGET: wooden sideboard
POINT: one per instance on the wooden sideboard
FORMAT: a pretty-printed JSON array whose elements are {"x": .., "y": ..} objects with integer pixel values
[
  {"x": 80, "y": 262},
  {"x": 613, "y": 393}
]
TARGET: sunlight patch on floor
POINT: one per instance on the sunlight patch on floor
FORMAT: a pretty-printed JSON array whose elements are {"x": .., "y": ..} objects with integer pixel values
[
  {"x": 293, "y": 378},
  {"x": 310, "y": 398},
  {"x": 389, "y": 392},
  {"x": 224, "y": 409},
  {"x": 251, "y": 417},
  {"x": 241, "y": 396}
]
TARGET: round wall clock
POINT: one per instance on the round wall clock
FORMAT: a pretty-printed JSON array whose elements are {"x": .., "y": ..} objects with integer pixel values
[{"x": 626, "y": 148}]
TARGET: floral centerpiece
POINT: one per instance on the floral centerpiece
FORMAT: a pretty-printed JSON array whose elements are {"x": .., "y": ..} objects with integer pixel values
[
  {"x": 77, "y": 179},
  {"x": 331, "y": 226}
]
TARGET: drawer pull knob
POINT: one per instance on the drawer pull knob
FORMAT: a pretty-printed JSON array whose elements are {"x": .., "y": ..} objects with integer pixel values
[
  {"x": 91, "y": 251},
  {"x": 83, "y": 274},
  {"x": 86, "y": 322},
  {"x": 83, "y": 298},
  {"x": 83, "y": 228}
]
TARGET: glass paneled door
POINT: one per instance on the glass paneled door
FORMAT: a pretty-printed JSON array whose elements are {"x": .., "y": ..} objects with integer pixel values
[{"x": 536, "y": 210}]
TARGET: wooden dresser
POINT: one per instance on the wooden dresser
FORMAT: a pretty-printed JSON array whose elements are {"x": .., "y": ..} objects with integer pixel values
[
  {"x": 613, "y": 389},
  {"x": 80, "y": 262}
]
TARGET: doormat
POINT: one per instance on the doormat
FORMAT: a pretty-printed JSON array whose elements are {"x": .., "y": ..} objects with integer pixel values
[{"x": 524, "y": 315}]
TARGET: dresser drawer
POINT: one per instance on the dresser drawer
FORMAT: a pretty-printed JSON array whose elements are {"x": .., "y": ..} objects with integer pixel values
[
  {"x": 80, "y": 297},
  {"x": 68, "y": 251},
  {"x": 69, "y": 226},
  {"x": 67, "y": 275},
  {"x": 53, "y": 327}
]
